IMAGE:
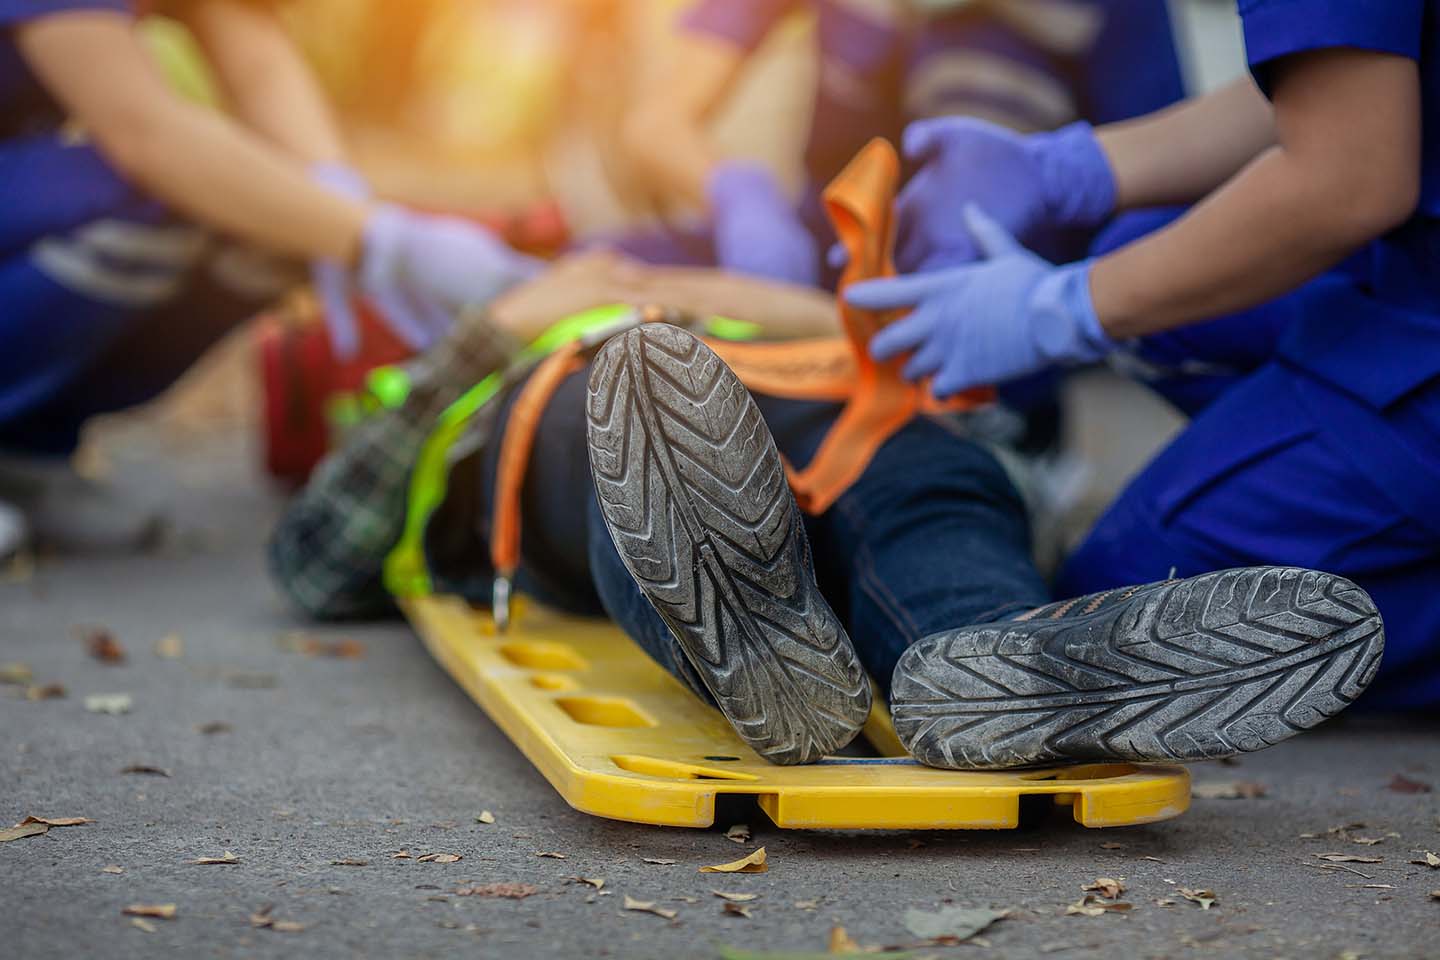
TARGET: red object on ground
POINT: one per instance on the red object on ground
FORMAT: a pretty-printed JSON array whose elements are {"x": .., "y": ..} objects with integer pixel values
[{"x": 300, "y": 376}]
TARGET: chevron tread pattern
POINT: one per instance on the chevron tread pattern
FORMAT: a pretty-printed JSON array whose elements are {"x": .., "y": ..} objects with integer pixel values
[
  {"x": 694, "y": 495},
  {"x": 1185, "y": 670}
]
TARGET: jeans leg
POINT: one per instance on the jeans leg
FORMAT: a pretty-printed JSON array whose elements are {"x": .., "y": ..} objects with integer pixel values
[
  {"x": 934, "y": 537},
  {"x": 621, "y": 597}
]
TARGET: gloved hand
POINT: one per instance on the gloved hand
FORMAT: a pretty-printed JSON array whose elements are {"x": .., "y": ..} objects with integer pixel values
[
  {"x": 421, "y": 270},
  {"x": 330, "y": 278},
  {"x": 756, "y": 230},
  {"x": 1012, "y": 314},
  {"x": 1056, "y": 179}
]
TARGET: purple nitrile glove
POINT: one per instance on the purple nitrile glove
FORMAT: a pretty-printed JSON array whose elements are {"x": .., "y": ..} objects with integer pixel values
[
  {"x": 431, "y": 267},
  {"x": 1010, "y": 314},
  {"x": 1025, "y": 183},
  {"x": 756, "y": 230},
  {"x": 330, "y": 278}
]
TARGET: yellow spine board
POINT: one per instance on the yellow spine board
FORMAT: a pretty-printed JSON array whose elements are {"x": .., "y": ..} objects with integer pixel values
[{"x": 618, "y": 737}]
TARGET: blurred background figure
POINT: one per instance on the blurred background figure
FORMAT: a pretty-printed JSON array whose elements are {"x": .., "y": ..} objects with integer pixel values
[
  {"x": 1026, "y": 64},
  {"x": 150, "y": 201}
]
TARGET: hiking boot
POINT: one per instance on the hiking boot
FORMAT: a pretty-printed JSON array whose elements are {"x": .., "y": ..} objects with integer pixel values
[
  {"x": 1194, "y": 669},
  {"x": 72, "y": 514},
  {"x": 695, "y": 497}
]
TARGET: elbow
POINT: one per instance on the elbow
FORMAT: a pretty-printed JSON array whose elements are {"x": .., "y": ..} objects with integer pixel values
[
  {"x": 643, "y": 131},
  {"x": 1377, "y": 201}
]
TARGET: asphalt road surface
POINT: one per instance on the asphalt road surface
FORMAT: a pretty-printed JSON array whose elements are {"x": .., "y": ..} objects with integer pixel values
[{"x": 295, "y": 762}]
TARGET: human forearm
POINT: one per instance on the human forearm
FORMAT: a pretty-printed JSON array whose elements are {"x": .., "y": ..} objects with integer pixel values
[
  {"x": 666, "y": 136},
  {"x": 269, "y": 86},
  {"x": 192, "y": 158},
  {"x": 222, "y": 176},
  {"x": 1180, "y": 154},
  {"x": 1323, "y": 190}
]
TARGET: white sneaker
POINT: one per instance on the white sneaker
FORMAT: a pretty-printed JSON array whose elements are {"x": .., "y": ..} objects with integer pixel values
[{"x": 67, "y": 512}]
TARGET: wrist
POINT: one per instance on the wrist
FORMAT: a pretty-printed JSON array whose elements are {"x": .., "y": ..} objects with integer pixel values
[
  {"x": 1077, "y": 181},
  {"x": 341, "y": 178},
  {"x": 737, "y": 184},
  {"x": 1066, "y": 326}
]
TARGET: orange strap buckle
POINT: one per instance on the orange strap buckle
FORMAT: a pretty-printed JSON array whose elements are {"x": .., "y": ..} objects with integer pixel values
[{"x": 878, "y": 401}]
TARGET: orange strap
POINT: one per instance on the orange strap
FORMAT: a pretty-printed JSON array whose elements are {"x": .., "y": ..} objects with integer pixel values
[
  {"x": 878, "y": 401},
  {"x": 860, "y": 202},
  {"x": 515, "y": 446}
]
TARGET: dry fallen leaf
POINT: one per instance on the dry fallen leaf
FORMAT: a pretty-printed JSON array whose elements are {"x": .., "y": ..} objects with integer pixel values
[
  {"x": 1154, "y": 859},
  {"x": 648, "y": 906},
  {"x": 145, "y": 769},
  {"x": 485, "y": 817},
  {"x": 170, "y": 646},
  {"x": 550, "y": 854},
  {"x": 140, "y": 923},
  {"x": 161, "y": 911},
  {"x": 102, "y": 644},
  {"x": 1403, "y": 784},
  {"x": 401, "y": 855},
  {"x": 18, "y": 673},
  {"x": 1206, "y": 898},
  {"x": 1093, "y": 906},
  {"x": 735, "y": 909},
  {"x": 261, "y": 918},
  {"x": 298, "y": 641},
  {"x": 658, "y": 861},
  {"x": 754, "y": 863},
  {"x": 349, "y": 862},
  {"x": 806, "y": 904},
  {"x": 840, "y": 942},
  {"x": 439, "y": 858},
  {"x": 22, "y": 830},
  {"x": 1164, "y": 902},
  {"x": 45, "y": 691},
  {"x": 735, "y": 897},
  {"x": 1112, "y": 845},
  {"x": 113, "y": 868},
  {"x": 1431, "y": 861},
  {"x": 740, "y": 833},
  {"x": 597, "y": 882},
  {"x": 57, "y": 821},
  {"x": 504, "y": 891},
  {"x": 1229, "y": 790},
  {"x": 1347, "y": 858},
  {"x": 1435, "y": 894},
  {"x": 226, "y": 857},
  {"x": 111, "y": 703},
  {"x": 1107, "y": 887},
  {"x": 1372, "y": 841},
  {"x": 950, "y": 925}
]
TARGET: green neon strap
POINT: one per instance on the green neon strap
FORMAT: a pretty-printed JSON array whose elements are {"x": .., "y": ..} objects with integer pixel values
[
  {"x": 406, "y": 573},
  {"x": 389, "y": 385}
]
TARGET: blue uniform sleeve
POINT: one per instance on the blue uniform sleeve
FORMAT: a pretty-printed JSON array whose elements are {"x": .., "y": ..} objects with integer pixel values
[
  {"x": 13, "y": 12},
  {"x": 1279, "y": 28},
  {"x": 745, "y": 23}
]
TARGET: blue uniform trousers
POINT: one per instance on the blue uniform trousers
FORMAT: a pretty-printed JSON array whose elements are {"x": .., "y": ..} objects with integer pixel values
[
  {"x": 1302, "y": 450},
  {"x": 107, "y": 298}
]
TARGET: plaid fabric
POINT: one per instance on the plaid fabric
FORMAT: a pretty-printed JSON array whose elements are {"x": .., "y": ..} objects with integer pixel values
[{"x": 328, "y": 551}]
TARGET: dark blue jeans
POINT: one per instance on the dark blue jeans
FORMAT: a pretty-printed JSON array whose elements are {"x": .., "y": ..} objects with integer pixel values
[{"x": 933, "y": 536}]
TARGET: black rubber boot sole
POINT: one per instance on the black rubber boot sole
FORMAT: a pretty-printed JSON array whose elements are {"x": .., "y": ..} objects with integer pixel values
[
  {"x": 1194, "y": 669},
  {"x": 695, "y": 498}
]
